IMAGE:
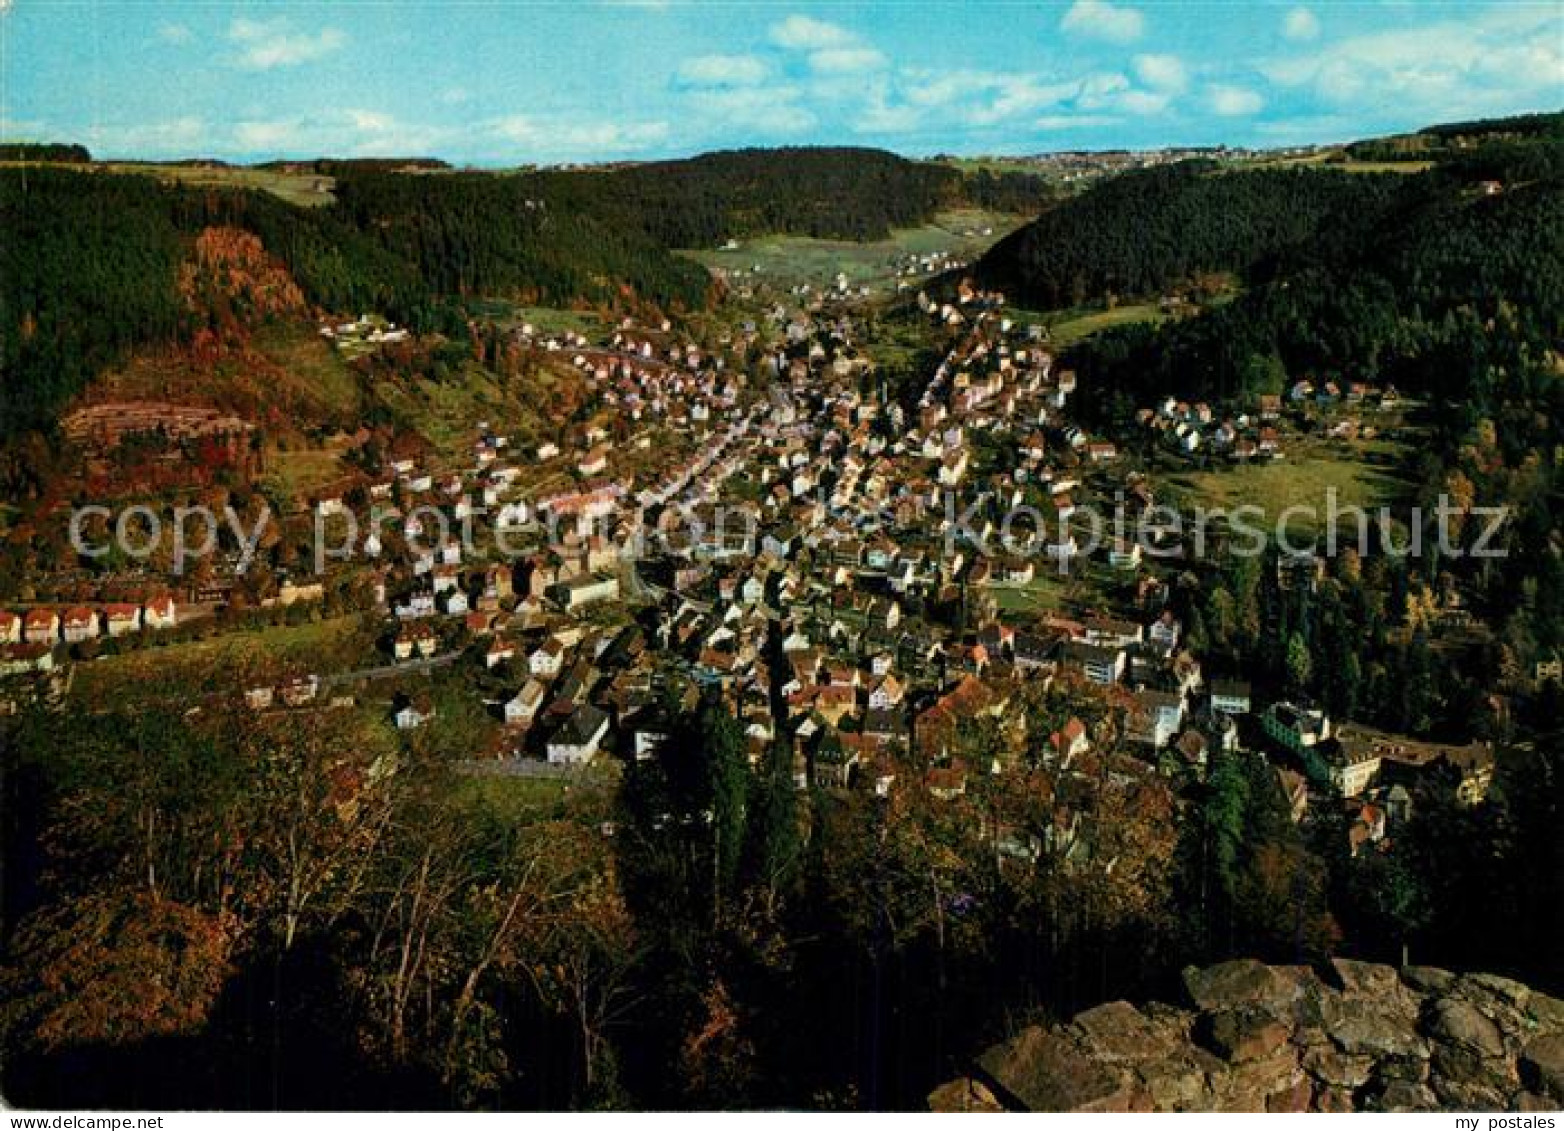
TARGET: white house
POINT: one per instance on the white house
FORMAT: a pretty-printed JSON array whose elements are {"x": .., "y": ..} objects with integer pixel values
[
  {"x": 588, "y": 590},
  {"x": 523, "y": 707},
  {"x": 41, "y": 626},
  {"x": 1230, "y": 697},
  {"x": 1164, "y": 633},
  {"x": 160, "y": 612},
  {"x": 121, "y": 620},
  {"x": 888, "y": 693},
  {"x": 414, "y": 715},
  {"x": 579, "y": 739},
  {"x": 80, "y": 624},
  {"x": 1155, "y": 717},
  {"x": 1100, "y": 665}
]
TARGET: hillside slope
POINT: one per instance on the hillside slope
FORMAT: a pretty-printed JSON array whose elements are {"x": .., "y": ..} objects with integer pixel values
[
  {"x": 92, "y": 262},
  {"x": 1147, "y": 231},
  {"x": 1141, "y": 232}
]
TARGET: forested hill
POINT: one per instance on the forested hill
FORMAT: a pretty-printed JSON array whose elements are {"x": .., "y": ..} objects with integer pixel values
[
  {"x": 1140, "y": 233},
  {"x": 830, "y": 193},
  {"x": 1147, "y": 231},
  {"x": 1447, "y": 282},
  {"x": 856, "y": 194},
  {"x": 92, "y": 258},
  {"x": 91, "y": 265}
]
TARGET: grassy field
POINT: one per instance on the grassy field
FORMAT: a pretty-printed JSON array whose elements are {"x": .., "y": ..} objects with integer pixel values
[
  {"x": 306, "y": 189},
  {"x": 1334, "y": 159},
  {"x": 527, "y": 798},
  {"x": 1069, "y": 327},
  {"x": 311, "y": 365},
  {"x": 1364, "y": 476},
  {"x": 788, "y": 261},
  {"x": 545, "y": 319},
  {"x": 226, "y": 662},
  {"x": 1045, "y": 593},
  {"x": 447, "y": 412},
  {"x": 302, "y": 472}
]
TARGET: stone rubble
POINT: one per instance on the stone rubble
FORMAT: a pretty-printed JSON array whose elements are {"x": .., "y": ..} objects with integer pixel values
[{"x": 1354, "y": 1037}]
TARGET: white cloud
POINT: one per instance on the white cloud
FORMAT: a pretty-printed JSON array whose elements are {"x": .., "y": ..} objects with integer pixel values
[
  {"x": 1161, "y": 72},
  {"x": 1100, "y": 90},
  {"x": 979, "y": 98},
  {"x": 722, "y": 70},
  {"x": 1098, "y": 19},
  {"x": 938, "y": 103},
  {"x": 1144, "y": 103},
  {"x": 371, "y": 121},
  {"x": 829, "y": 49},
  {"x": 264, "y": 44},
  {"x": 805, "y": 33},
  {"x": 770, "y": 111},
  {"x": 1502, "y": 60},
  {"x": 1230, "y": 101},
  {"x": 1301, "y": 24},
  {"x": 846, "y": 60},
  {"x": 363, "y": 132},
  {"x": 353, "y": 132},
  {"x": 1112, "y": 93},
  {"x": 24, "y": 129},
  {"x": 883, "y": 116},
  {"x": 267, "y": 137},
  {"x": 175, "y": 33}
]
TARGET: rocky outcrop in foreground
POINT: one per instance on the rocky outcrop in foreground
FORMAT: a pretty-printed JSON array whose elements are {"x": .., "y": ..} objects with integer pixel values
[{"x": 1356, "y": 1036}]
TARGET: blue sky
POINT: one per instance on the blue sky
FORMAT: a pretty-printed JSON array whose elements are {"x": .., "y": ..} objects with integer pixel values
[{"x": 500, "y": 83}]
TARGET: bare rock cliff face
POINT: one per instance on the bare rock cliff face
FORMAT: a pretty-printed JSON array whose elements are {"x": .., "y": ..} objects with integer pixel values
[{"x": 1356, "y": 1036}]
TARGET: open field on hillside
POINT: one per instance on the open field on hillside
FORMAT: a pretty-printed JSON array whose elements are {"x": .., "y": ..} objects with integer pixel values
[
  {"x": 530, "y": 795},
  {"x": 1067, "y": 326},
  {"x": 447, "y": 412},
  {"x": 1070, "y": 327},
  {"x": 311, "y": 363},
  {"x": 543, "y": 319},
  {"x": 1365, "y": 475},
  {"x": 302, "y": 472},
  {"x": 284, "y": 374},
  {"x": 1335, "y": 159},
  {"x": 787, "y": 261},
  {"x": 1045, "y": 593},
  {"x": 308, "y": 189},
  {"x": 224, "y": 663}
]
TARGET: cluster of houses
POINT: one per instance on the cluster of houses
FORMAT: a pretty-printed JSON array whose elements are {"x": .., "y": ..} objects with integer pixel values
[
  {"x": 1374, "y": 773},
  {"x": 1191, "y": 428},
  {"x": 572, "y": 686},
  {"x": 794, "y": 553},
  {"x": 28, "y": 639},
  {"x": 366, "y": 332},
  {"x": 1256, "y": 435}
]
